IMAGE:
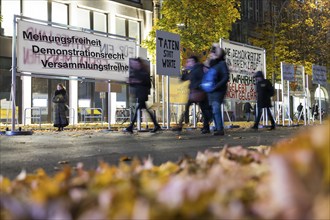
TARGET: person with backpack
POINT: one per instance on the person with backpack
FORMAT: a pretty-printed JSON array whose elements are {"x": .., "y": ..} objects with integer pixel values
[
  {"x": 265, "y": 91},
  {"x": 139, "y": 79},
  {"x": 194, "y": 73},
  {"x": 215, "y": 84}
]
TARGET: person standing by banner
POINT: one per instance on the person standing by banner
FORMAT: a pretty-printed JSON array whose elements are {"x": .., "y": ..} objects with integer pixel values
[
  {"x": 247, "y": 110},
  {"x": 265, "y": 91},
  {"x": 60, "y": 108},
  {"x": 139, "y": 79}
]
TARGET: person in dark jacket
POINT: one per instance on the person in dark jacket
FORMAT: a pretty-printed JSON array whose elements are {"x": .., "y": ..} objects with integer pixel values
[
  {"x": 139, "y": 79},
  {"x": 265, "y": 91},
  {"x": 194, "y": 73},
  {"x": 59, "y": 99},
  {"x": 217, "y": 94}
]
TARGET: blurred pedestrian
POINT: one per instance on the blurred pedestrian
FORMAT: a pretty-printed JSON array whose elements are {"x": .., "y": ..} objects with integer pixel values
[
  {"x": 299, "y": 110},
  {"x": 194, "y": 73},
  {"x": 215, "y": 84},
  {"x": 60, "y": 99},
  {"x": 315, "y": 111},
  {"x": 247, "y": 110},
  {"x": 139, "y": 79},
  {"x": 265, "y": 91}
]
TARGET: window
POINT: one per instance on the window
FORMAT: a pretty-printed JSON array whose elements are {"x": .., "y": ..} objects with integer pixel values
[
  {"x": 35, "y": 9},
  {"x": 60, "y": 13},
  {"x": 128, "y": 28},
  {"x": 121, "y": 26},
  {"x": 134, "y": 30},
  {"x": 8, "y": 10},
  {"x": 99, "y": 21},
  {"x": 83, "y": 16}
]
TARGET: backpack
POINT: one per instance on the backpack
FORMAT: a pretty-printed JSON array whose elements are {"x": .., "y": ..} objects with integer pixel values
[{"x": 209, "y": 79}]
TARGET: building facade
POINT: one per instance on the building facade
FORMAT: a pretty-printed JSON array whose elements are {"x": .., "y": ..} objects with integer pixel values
[{"x": 125, "y": 18}]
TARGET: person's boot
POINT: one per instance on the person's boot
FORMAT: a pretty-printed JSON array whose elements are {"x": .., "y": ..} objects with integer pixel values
[
  {"x": 272, "y": 127},
  {"x": 129, "y": 129},
  {"x": 219, "y": 133},
  {"x": 205, "y": 131},
  {"x": 178, "y": 128},
  {"x": 156, "y": 128},
  {"x": 254, "y": 127}
]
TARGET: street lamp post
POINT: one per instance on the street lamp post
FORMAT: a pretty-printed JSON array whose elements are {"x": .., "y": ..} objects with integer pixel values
[{"x": 275, "y": 23}]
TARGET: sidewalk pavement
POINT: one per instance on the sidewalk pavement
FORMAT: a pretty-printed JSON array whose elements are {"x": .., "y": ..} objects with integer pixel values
[{"x": 50, "y": 150}]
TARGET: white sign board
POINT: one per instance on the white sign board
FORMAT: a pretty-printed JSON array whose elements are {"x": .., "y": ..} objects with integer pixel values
[
  {"x": 167, "y": 53},
  {"x": 287, "y": 72},
  {"x": 48, "y": 50},
  {"x": 319, "y": 75},
  {"x": 243, "y": 61}
]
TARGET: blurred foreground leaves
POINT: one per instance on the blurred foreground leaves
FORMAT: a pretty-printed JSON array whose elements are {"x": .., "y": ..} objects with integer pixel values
[{"x": 288, "y": 181}]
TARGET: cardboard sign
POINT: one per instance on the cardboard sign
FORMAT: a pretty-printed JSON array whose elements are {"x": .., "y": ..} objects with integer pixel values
[{"x": 167, "y": 53}]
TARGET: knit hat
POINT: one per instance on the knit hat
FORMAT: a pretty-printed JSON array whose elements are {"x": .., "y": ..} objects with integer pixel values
[{"x": 259, "y": 74}]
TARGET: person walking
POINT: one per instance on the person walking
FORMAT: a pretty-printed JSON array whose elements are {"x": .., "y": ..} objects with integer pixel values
[
  {"x": 315, "y": 111},
  {"x": 265, "y": 91},
  {"x": 299, "y": 111},
  {"x": 247, "y": 110},
  {"x": 194, "y": 73},
  {"x": 60, "y": 108},
  {"x": 139, "y": 79},
  {"x": 215, "y": 84}
]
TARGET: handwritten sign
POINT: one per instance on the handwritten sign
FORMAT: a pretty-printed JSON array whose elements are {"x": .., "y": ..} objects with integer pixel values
[
  {"x": 243, "y": 61},
  {"x": 167, "y": 53}
]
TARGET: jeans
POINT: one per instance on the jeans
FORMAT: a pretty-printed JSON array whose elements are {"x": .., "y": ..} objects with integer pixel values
[
  {"x": 247, "y": 114},
  {"x": 216, "y": 99}
]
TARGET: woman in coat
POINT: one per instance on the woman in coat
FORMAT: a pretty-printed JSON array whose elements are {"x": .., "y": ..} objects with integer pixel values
[{"x": 59, "y": 99}]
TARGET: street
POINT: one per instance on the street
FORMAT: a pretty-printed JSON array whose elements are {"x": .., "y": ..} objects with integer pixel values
[{"x": 50, "y": 150}]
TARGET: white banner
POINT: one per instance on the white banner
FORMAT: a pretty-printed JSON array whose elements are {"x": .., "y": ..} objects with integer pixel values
[
  {"x": 319, "y": 75},
  {"x": 167, "y": 53},
  {"x": 243, "y": 61},
  {"x": 48, "y": 50}
]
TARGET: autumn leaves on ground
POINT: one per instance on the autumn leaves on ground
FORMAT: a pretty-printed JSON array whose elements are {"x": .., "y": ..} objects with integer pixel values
[{"x": 287, "y": 181}]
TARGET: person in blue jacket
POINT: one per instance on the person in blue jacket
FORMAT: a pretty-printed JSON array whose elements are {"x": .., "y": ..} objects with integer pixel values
[{"x": 216, "y": 93}]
